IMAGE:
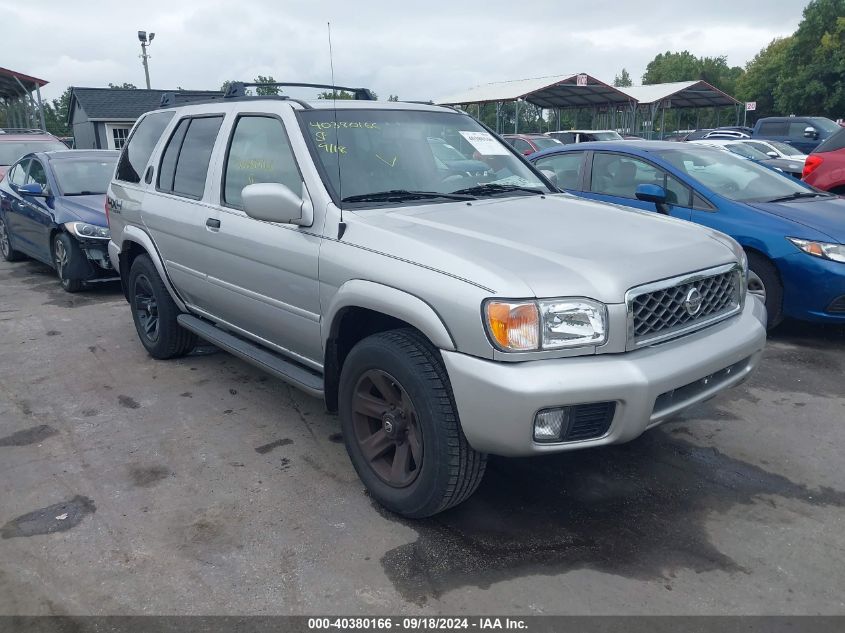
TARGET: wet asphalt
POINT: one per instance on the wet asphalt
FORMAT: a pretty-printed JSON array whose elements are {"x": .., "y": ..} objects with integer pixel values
[{"x": 202, "y": 486}]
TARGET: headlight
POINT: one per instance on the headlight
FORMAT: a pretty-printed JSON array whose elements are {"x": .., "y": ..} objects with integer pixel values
[
  {"x": 84, "y": 230},
  {"x": 836, "y": 252},
  {"x": 519, "y": 326}
]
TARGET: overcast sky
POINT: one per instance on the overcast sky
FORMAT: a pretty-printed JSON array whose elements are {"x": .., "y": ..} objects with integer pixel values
[{"x": 414, "y": 49}]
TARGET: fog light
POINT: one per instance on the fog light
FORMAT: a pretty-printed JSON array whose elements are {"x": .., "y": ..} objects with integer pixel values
[{"x": 550, "y": 425}]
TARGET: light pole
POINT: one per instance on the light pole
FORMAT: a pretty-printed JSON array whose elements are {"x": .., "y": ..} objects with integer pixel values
[{"x": 142, "y": 37}]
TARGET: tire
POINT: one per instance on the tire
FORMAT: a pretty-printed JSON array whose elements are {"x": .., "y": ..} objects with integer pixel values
[
  {"x": 764, "y": 281},
  {"x": 154, "y": 313},
  {"x": 69, "y": 261},
  {"x": 405, "y": 363},
  {"x": 9, "y": 254}
]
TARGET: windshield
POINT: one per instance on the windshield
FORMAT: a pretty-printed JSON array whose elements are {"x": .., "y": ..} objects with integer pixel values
[
  {"x": 544, "y": 142},
  {"x": 825, "y": 124},
  {"x": 10, "y": 151},
  {"x": 412, "y": 151},
  {"x": 606, "y": 136},
  {"x": 743, "y": 149},
  {"x": 786, "y": 150},
  {"x": 733, "y": 177},
  {"x": 83, "y": 176}
]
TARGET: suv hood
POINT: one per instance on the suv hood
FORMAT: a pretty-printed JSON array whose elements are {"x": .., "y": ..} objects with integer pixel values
[
  {"x": 826, "y": 215},
  {"x": 550, "y": 246}
]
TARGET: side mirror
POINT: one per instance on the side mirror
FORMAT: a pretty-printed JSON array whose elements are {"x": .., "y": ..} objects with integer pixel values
[
  {"x": 274, "y": 202},
  {"x": 32, "y": 189},
  {"x": 653, "y": 193},
  {"x": 772, "y": 154},
  {"x": 810, "y": 132},
  {"x": 552, "y": 176}
]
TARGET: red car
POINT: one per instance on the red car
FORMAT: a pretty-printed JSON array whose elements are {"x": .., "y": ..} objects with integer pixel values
[
  {"x": 825, "y": 167},
  {"x": 527, "y": 144},
  {"x": 14, "y": 143}
]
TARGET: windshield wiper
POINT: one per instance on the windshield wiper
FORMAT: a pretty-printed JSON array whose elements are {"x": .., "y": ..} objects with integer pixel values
[
  {"x": 492, "y": 187},
  {"x": 798, "y": 195},
  {"x": 400, "y": 195}
]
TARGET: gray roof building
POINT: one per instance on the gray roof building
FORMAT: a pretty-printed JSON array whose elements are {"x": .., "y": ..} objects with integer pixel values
[{"x": 101, "y": 118}]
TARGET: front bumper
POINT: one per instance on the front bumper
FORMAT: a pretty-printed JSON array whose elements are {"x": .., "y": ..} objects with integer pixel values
[
  {"x": 810, "y": 286},
  {"x": 497, "y": 401}
]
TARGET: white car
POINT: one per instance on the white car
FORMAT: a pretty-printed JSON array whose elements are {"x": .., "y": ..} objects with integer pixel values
[
  {"x": 585, "y": 136},
  {"x": 742, "y": 147},
  {"x": 776, "y": 149}
]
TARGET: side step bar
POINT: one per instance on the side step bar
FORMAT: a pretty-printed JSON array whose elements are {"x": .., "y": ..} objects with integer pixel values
[{"x": 264, "y": 359}]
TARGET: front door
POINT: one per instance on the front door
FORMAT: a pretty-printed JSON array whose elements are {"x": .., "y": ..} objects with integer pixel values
[
  {"x": 263, "y": 275},
  {"x": 35, "y": 217}
]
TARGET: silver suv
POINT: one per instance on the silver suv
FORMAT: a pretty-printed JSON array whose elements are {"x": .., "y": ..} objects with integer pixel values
[{"x": 446, "y": 313}]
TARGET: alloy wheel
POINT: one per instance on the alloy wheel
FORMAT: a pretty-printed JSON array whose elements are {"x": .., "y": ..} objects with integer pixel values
[
  {"x": 60, "y": 257},
  {"x": 387, "y": 428},
  {"x": 146, "y": 308}
]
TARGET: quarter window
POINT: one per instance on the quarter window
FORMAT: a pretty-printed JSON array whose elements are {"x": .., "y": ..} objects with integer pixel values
[
  {"x": 138, "y": 149},
  {"x": 259, "y": 152},
  {"x": 184, "y": 165}
]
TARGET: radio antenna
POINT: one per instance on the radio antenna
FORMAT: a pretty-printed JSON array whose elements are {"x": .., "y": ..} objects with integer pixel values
[{"x": 341, "y": 227}]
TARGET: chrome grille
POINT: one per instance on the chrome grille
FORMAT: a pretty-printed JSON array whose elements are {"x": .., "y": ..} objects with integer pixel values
[{"x": 671, "y": 308}]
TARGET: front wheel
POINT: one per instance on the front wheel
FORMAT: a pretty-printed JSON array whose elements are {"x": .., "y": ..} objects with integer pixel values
[
  {"x": 155, "y": 313},
  {"x": 764, "y": 282},
  {"x": 401, "y": 428},
  {"x": 67, "y": 260}
]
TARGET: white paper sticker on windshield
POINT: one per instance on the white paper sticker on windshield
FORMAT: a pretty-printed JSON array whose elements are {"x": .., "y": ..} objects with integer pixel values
[{"x": 485, "y": 144}]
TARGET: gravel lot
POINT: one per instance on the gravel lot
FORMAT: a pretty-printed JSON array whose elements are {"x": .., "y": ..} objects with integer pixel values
[{"x": 202, "y": 486}]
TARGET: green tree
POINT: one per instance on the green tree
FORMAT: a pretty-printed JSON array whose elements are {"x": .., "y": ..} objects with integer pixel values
[
  {"x": 125, "y": 86},
  {"x": 623, "y": 79},
  {"x": 225, "y": 86},
  {"x": 266, "y": 90},
  {"x": 56, "y": 113},
  {"x": 762, "y": 75},
  {"x": 338, "y": 94},
  {"x": 669, "y": 66},
  {"x": 813, "y": 78}
]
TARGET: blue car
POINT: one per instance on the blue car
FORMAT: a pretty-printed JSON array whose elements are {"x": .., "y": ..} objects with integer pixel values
[
  {"x": 793, "y": 234},
  {"x": 52, "y": 208}
]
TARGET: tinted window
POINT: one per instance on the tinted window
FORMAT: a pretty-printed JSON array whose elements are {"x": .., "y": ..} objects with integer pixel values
[
  {"x": 167, "y": 169},
  {"x": 259, "y": 152},
  {"x": 521, "y": 145},
  {"x": 796, "y": 129},
  {"x": 137, "y": 151},
  {"x": 567, "y": 167},
  {"x": 700, "y": 203},
  {"x": 773, "y": 128},
  {"x": 190, "y": 148},
  {"x": 834, "y": 142},
  {"x": 18, "y": 173}
]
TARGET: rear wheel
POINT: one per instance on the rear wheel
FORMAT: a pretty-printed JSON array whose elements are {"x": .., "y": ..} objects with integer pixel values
[
  {"x": 155, "y": 313},
  {"x": 764, "y": 282},
  {"x": 9, "y": 254},
  {"x": 401, "y": 428}
]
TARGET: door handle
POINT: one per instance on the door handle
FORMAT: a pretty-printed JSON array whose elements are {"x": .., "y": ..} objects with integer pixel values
[{"x": 213, "y": 224}]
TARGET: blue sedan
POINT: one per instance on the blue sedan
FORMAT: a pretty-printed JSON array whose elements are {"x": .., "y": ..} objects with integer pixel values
[
  {"x": 52, "y": 208},
  {"x": 793, "y": 234}
]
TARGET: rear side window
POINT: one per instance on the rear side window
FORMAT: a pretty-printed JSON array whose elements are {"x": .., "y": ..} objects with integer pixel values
[
  {"x": 773, "y": 128},
  {"x": 184, "y": 165},
  {"x": 259, "y": 152},
  {"x": 140, "y": 146}
]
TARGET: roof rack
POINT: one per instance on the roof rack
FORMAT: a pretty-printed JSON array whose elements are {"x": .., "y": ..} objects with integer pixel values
[{"x": 238, "y": 89}]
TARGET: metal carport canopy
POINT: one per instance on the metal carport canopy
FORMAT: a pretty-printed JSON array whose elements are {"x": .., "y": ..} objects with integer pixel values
[
  {"x": 15, "y": 84},
  {"x": 681, "y": 94},
  {"x": 558, "y": 91}
]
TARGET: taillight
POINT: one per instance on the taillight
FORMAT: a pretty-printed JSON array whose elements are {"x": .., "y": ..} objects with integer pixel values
[
  {"x": 108, "y": 219},
  {"x": 811, "y": 164}
]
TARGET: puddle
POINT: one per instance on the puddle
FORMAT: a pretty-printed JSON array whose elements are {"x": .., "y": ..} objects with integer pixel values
[
  {"x": 639, "y": 510},
  {"x": 58, "y": 517},
  {"x": 32, "y": 435}
]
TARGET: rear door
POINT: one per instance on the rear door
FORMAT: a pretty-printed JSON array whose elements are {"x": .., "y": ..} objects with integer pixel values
[
  {"x": 175, "y": 212},
  {"x": 263, "y": 275},
  {"x": 615, "y": 177}
]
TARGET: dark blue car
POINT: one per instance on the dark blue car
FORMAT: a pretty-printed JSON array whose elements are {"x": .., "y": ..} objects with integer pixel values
[
  {"x": 52, "y": 208},
  {"x": 793, "y": 234}
]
